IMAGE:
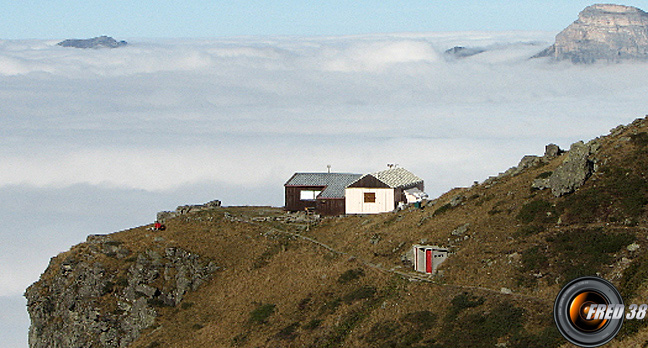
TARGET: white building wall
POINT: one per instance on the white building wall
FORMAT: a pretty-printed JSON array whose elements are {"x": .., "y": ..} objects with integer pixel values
[
  {"x": 438, "y": 256},
  {"x": 354, "y": 200},
  {"x": 419, "y": 257}
]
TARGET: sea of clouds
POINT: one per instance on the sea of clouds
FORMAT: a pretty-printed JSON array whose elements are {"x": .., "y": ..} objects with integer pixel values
[{"x": 99, "y": 140}]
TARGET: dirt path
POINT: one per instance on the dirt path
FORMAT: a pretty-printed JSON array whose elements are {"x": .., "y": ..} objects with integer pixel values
[{"x": 412, "y": 276}]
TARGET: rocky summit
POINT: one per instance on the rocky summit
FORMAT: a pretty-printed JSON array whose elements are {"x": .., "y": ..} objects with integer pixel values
[
  {"x": 603, "y": 32},
  {"x": 95, "y": 42}
]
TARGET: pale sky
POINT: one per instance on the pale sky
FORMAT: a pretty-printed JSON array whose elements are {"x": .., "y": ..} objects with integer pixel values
[
  {"x": 54, "y": 19},
  {"x": 94, "y": 141}
]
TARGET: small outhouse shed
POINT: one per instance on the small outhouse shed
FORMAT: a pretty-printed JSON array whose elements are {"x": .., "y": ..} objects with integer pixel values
[{"x": 427, "y": 258}]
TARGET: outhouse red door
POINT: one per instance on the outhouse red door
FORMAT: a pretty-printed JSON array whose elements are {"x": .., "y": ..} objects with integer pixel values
[{"x": 428, "y": 261}]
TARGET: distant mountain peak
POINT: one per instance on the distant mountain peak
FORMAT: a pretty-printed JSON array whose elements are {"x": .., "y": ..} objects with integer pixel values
[
  {"x": 602, "y": 32},
  {"x": 95, "y": 42},
  {"x": 611, "y": 8}
]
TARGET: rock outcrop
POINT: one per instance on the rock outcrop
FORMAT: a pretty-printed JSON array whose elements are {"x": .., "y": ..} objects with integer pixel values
[
  {"x": 529, "y": 161},
  {"x": 603, "y": 32},
  {"x": 572, "y": 173},
  {"x": 95, "y": 42},
  {"x": 184, "y": 209},
  {"x": 102, "y": 295}
]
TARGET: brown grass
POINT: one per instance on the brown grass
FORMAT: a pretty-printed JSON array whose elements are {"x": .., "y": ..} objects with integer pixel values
[{"x": 301, "y": 279}]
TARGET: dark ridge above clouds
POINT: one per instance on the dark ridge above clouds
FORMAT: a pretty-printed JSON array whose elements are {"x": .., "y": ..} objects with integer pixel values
[
  {"x": 461, "y": 51},
  {"x": 95, "y": 42}
]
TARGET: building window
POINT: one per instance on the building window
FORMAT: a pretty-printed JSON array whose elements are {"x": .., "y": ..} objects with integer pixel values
[
  {"x": 308, "y": 195},
  {"x": 370, "y": 197}
]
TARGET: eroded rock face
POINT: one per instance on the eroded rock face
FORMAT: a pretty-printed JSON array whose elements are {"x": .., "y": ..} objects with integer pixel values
[
  {"x": 573, "y": 172},
  {"x": 603, "y": 32},
  {"x": 529, "y": 161},
  {"x": 95, "y": 297}
]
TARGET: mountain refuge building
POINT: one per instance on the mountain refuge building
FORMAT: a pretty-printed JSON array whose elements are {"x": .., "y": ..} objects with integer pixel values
[
  {"x": 320, "y": 192},
  {"x": 383, "y": 191},
  {"x": 346, "y": 193}
]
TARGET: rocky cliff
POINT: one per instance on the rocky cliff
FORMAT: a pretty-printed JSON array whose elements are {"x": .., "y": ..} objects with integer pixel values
[
  {"x": 603, "y": 32},
  {"x": 103, "y": 294}
]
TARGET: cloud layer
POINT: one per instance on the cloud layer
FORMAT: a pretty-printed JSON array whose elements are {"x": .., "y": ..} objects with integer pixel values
[
  {"x": 159, "y": 115},
  {"x": 93, "y": 141}
]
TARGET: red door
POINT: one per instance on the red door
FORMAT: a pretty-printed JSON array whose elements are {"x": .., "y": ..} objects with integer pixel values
[{"x": 428, "y": 261}]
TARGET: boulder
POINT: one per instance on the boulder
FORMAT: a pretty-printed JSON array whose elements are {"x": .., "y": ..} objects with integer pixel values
[
  {"x": 573, "y": 172},
  {"x": 526, "y": 162},
  {"x": 552, "y": 151},
  {"x": 633, "y": 247},
  {"x": 456, "y": 200},
  {"x": 461, "y": 230}
]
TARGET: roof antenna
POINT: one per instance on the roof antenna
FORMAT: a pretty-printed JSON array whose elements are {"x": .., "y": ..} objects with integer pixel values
[{"x": 328, "y": 168}]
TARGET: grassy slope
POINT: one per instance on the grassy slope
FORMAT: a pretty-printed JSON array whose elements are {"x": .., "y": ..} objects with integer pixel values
[{"x": 276, "y": 290}]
